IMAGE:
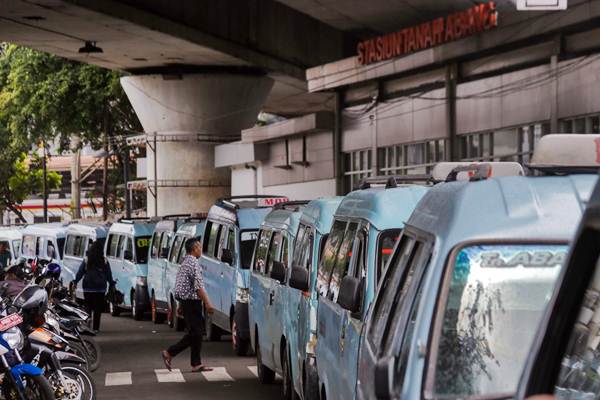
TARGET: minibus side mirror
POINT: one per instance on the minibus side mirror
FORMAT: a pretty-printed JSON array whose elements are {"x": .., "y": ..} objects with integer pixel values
[
  {"x": 227, "y": 256},
  {"x": 299, "y": 279},
  {"x": 278, "y": 271},
  {"x": 349, "y": 297},
  {"x": 384, "y": 377}
]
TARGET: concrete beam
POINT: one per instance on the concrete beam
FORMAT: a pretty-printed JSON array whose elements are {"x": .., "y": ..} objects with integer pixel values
[
  {"x": 311, "y": 123},
  {"x": 263, "y": 33}
]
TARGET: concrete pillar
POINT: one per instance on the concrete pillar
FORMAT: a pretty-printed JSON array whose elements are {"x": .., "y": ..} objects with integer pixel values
[{"x": 188, "y": 113}]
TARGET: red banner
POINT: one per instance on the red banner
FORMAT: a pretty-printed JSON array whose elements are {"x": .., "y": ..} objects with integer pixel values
[{"x": 477, "y": 19}]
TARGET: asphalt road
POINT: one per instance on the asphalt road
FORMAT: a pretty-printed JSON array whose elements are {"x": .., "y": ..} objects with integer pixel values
[{"x": 132, "y": 368}]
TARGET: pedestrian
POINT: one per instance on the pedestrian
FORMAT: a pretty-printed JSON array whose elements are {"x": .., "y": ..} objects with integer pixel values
[
  {"x": 4, "y": 255},
  {"x": 189, "y": 291},
  {"x": 96, "y": 274}
]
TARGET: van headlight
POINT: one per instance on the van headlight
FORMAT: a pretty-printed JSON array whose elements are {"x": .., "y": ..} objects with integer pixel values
[
  {"x": 141, "y": 281},
  {"x": 14, "y": 338},
  {"x": 242, "y": 295}
]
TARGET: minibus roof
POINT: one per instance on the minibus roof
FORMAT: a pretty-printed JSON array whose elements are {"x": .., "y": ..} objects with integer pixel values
[
  {"x": 55, "y": 229},
  {"x": 382, "y": 207},
  {"x": 10, "y": 233},
  {"x": 98, "y": 231},
  {"x": 319, "y": 213},
  {"x": 567, "y": 153},
  {"x": 506, "y": 209},
  {"x": 282, "y": 219},
  {"x": 135, "y": 228}
]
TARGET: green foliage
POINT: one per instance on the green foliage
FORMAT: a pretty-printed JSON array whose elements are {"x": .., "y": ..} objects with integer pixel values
[{"x": 43, "y": 97}]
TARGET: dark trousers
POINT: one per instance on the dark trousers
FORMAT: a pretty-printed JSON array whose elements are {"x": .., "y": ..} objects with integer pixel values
[
  {"x": 194, "y": 324},
  {"x": 94, "y": 302}
]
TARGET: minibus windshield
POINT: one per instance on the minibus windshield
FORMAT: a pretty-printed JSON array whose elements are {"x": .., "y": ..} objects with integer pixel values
[
  {"x": 492, "y": 301},
  {"x": 247, "y": 241},
  {"x": 142, "y": 243}
]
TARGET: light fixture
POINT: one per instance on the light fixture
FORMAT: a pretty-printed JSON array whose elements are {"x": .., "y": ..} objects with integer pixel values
[{"x": 90, "y": 47}]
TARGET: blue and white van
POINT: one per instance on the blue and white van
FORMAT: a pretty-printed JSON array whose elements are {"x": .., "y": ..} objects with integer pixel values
[
  {"x": 11, "y": 237},
  {"x": 46, "y": 242},
  {"x": 126, "y": 250},
  {"x": 163, "y": 271},
  {"x": 78, "y": 239},
  {"x": 270, "y": 321},
  {"x": 366, "y": 226},
  {"x": 227, "y": 247},
  {"x": 313, "y": 229},
  {"x": 467, "y": 285}
]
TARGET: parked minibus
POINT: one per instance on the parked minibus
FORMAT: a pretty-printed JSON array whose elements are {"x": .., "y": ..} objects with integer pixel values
[
  {"x": 365, "y": 228},
  {"x": 269, "y": 291},
  {"x": 466, "y": 286},
  {"x": 45, "y": 242},
  {"x": 227, "y": 247},
  {"x": 171, "y": 233},
  {"x": 11, "y": 238},
  {"x": 126, "y": 250},
  {"x": 78, "y": 239}
]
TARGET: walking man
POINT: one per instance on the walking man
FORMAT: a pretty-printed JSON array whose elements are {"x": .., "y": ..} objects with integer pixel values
[{"x": 189, "y": 291}]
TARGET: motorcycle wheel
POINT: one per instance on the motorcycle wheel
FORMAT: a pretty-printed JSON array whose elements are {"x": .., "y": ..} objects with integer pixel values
[
  {"x": 83, "y": 378},
  {"x": 36, "y": 388},
  {"x": 78, "y": 350},
  {"x": 94, "y": 352}
]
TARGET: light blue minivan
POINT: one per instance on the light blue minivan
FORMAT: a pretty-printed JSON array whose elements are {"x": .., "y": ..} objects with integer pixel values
[
  {"x": 163, "y": 271},
  {"x": 45, "y": 242},
  {"x": 315, "y": 223},
  {"x": 126, "y": 250},
  {"x": 78, "y": 239},
  {"x": 270, "y": 321},
  {"x": 464, "y": 292},
  {"x": 366, "y": 226},
  {"x": 227, "y": 247}
]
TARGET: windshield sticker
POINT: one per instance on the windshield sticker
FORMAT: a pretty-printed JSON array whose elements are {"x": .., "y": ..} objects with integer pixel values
[{"x": 524, "y": 258}]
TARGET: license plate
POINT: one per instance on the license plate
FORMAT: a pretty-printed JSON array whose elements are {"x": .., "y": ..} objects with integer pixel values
[{"x": 10, "y": 321}]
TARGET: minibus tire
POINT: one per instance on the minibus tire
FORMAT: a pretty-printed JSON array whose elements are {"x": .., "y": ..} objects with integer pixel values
[
  {"x": 136, "y": 311},
  {"x": 289, "y": 392},
  {"x": 178, "y": 323},
  {"x": 157, "y": 318},
  {"x": 240, "y": 346},
  {"x": 213, "y": 332},
  {"x": 265, "y": 374},
  {"x": 114, "y": 309}
]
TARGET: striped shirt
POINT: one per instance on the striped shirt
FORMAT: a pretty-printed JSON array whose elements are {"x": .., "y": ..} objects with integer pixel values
[{"x": 189, "y": 279}]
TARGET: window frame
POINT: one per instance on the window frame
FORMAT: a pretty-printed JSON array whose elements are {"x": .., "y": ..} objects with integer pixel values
[
  {"x": 261, "y": 231},
  {"x": 349, "y": 261},
  {"x": 323, "y": 286}
]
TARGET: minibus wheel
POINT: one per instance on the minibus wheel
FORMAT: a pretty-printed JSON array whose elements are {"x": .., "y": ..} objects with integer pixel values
[
  {"x": 157, "y": 318},
  {"x": 114, "y": 309}
]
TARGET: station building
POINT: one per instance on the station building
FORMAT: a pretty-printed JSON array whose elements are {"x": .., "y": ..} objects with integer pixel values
[{"x": 484, "y": 83}]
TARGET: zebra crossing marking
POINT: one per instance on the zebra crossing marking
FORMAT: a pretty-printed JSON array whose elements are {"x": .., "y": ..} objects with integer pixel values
[
  {"x": 253, "y": 369},
  {"x": 118, "y": 379},
  {"x": 217, "y": 374},
  {"x": 166, "y": 376}
]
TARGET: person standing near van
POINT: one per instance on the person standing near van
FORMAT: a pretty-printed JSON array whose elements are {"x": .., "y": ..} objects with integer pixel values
[
  {"x": 189, "y": 291},
  {"x": 96, "y": 274}
]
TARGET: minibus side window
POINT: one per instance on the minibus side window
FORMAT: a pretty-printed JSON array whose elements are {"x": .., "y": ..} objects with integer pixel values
[
  {"x": 39, "y": 247},
  {"x": 330, "y": 251},
  {"x": 128, "y": 254},
  {"x": 342, "y": 262},
  {"x": 214, "y": 231},
  {"x": 284, "y": 251},
  {"x": 274, "y": 251},
  {"x": 175, "y": 248},
  {"x": 264, "y": 238},
  {"x": 165, "y": 243},
  {"x": 113, "y": 242},
  {"x": 120, "y": 246},
  {"x": 385, "y": 246},
  {"x": 155, "y": 244}
]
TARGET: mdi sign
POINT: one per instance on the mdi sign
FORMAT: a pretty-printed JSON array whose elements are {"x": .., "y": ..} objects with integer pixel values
[{"x": 476, "y": 19}]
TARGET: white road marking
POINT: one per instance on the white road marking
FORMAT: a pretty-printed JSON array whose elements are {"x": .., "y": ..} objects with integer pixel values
[
  {"x": 217, "y": 374},
  {"x": 117, "y": 379},
  {"x": 254, "y": 370},
  {"x": 164, "y": 375}
]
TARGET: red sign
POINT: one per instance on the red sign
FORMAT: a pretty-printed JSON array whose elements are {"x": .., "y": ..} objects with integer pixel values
[{"x": 477, "y": 19}]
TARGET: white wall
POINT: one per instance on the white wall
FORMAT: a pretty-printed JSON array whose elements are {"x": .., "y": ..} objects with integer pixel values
[{"x": 246, "y": 181}]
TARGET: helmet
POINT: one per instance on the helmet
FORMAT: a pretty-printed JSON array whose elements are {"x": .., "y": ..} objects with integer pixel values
[
  {"x": 33, "y": 302},
  {"x": 53, "y": 270}
]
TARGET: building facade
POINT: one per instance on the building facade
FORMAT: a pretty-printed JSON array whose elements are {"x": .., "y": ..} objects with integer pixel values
[{"x": 487, "y": 93}]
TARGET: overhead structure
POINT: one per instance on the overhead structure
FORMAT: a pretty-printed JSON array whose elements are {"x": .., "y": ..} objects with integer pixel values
[{"x": 181, "y": 174}]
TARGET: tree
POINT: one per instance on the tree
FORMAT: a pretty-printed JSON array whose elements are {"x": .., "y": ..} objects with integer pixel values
[
  {"x": 43, "y": 97},
  {"x": 20, "y": 176}
]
